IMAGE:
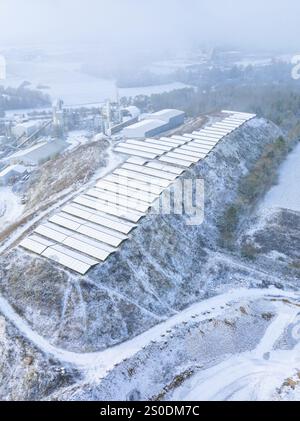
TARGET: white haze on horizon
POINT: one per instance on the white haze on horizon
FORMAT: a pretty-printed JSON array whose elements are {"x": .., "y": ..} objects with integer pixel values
[{"x": 153, "y": 25}]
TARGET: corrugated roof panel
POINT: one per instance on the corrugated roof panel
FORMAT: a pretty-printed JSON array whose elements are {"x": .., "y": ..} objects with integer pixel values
[
  {"x": 92, "y": 242},
  {"x": 143, "y": 147},
  {"x": 163, "y": 143},
  {"x": 65, "y": 222},
  {"x": 175, "y": 161},
  {"x": 163, "y": 167},
  {"x": 136, "y": 160},
  {"x": 235, "y": 117},
  {"x": 112, "y": 210},
  {"x": 100, "y": 236},
  {"x": 203, "y": 150},
  {"x": 103, "y": 219},
  {"x": 99, "y": 213},
  {"x": 50, "y": 233},
  {"x": 218, "y": 131},
  {"x": 106, "y": 230},
  {"x": 228, "y": 124},
  {"x": 224, "y": 132},
  {"x": 90, "y": 250},
  {"x": 155, "y": 145},
  {"x": 196, "y": 148},
  {"x": 202, "y": 144},
  {"x": 214, "y": 132},
  {"x": 135, "y": 153},
  {"x": 67, "y": 261},
  {"x": 210, "y": 135},
  {"x": 188, "y": 136},
  {"x": 180, "y": 138},
  {"x": 74, "y": 254},
  {"x": 126, "y": 191},
  {"x": 205, "y": 141},
  {"x": 31, "y": 245},
  {"x": 84, "y": 213},
  {"x": 117, "y": 226},
  {"x": 42, "y": 240},
  {"x": 208, "y": 138},
  {"x": 200, "y": 147},
  {"x": 118, "y": 200},
  {"x": 142, "y": 177},
  {"x": 182, "y": 157},
  {"x": 174, "y": 139},
  {"x": 190, "y": 153},
  {"x": 151, "y": 171},
  {"x": 135, "y": 184}
]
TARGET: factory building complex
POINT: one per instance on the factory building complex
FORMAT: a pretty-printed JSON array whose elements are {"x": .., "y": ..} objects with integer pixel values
[
  {"x": 154, "y": 124},
  {"x": 39, "y": 153}
]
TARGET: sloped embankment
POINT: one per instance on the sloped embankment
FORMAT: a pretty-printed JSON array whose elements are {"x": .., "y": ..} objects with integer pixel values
[
  {"x": 165, "y": 266},
  {"x": 273, "y": 242}
]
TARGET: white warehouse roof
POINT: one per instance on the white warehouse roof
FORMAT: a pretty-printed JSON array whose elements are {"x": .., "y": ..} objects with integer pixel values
[
  {"x": 167, "y": 114},
  {"x": 39, "y": 152},
  {"x": 142, "y": 128},
  {"x": 13, "y": 168},
  {"x": 147, "y": 124}
]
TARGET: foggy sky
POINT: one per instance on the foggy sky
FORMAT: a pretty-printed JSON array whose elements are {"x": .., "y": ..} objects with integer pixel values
[{"x": 152, "y": 24}]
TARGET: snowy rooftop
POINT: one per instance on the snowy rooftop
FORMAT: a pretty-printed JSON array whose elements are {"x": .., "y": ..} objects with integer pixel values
[
  {"x": 147, "y": 124},
  {"x": 168, "y": 113},
  {"x": 16, "y": 168},
  {"x": 28, "y": 150},
  {"x": 28, "y": 124}
]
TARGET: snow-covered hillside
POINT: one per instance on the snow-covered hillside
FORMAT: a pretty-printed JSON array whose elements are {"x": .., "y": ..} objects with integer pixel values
[{"x": 173, "y": 304}]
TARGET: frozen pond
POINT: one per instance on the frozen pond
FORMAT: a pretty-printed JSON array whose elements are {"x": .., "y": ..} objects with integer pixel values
[{"x": 287, "y": 193}]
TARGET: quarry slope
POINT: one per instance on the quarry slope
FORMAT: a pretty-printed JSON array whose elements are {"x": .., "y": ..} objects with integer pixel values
[{"x": 164, "y": 267}]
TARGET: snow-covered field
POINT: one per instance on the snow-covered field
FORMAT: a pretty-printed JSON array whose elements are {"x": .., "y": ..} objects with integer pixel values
[
  {"x": 65, "y": 80},
  {"x": 287, "y": 193},
  {"x": 10, "y": 207},
  {"x": 252, "y": 375}
]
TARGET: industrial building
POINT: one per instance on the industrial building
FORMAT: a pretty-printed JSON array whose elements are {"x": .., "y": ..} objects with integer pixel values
[
  {"x": 173, "y": 118},
  {"x": 155, "y": 124},
  {"x": 13, "y": 171},
  {"x": 39, "y": 153},
  {"x": 25, "y": 129},
  {"x": 145, "y": 128}
]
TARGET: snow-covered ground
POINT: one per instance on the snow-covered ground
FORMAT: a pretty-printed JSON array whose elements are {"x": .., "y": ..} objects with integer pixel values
[
  {"x": 287, "y": 193},
  {"x": 253, "y": 375},
  {"x": 10, "y": 207},
  {"x": 211, "y": 383},
  {"x": 76, "y": 138},
  {"x": 66, "y": 80}
]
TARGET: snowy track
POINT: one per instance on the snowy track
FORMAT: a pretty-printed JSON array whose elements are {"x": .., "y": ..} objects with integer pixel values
[
  {"x": 97, "y": 364},
  {"x": 249, "y": 376}
]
